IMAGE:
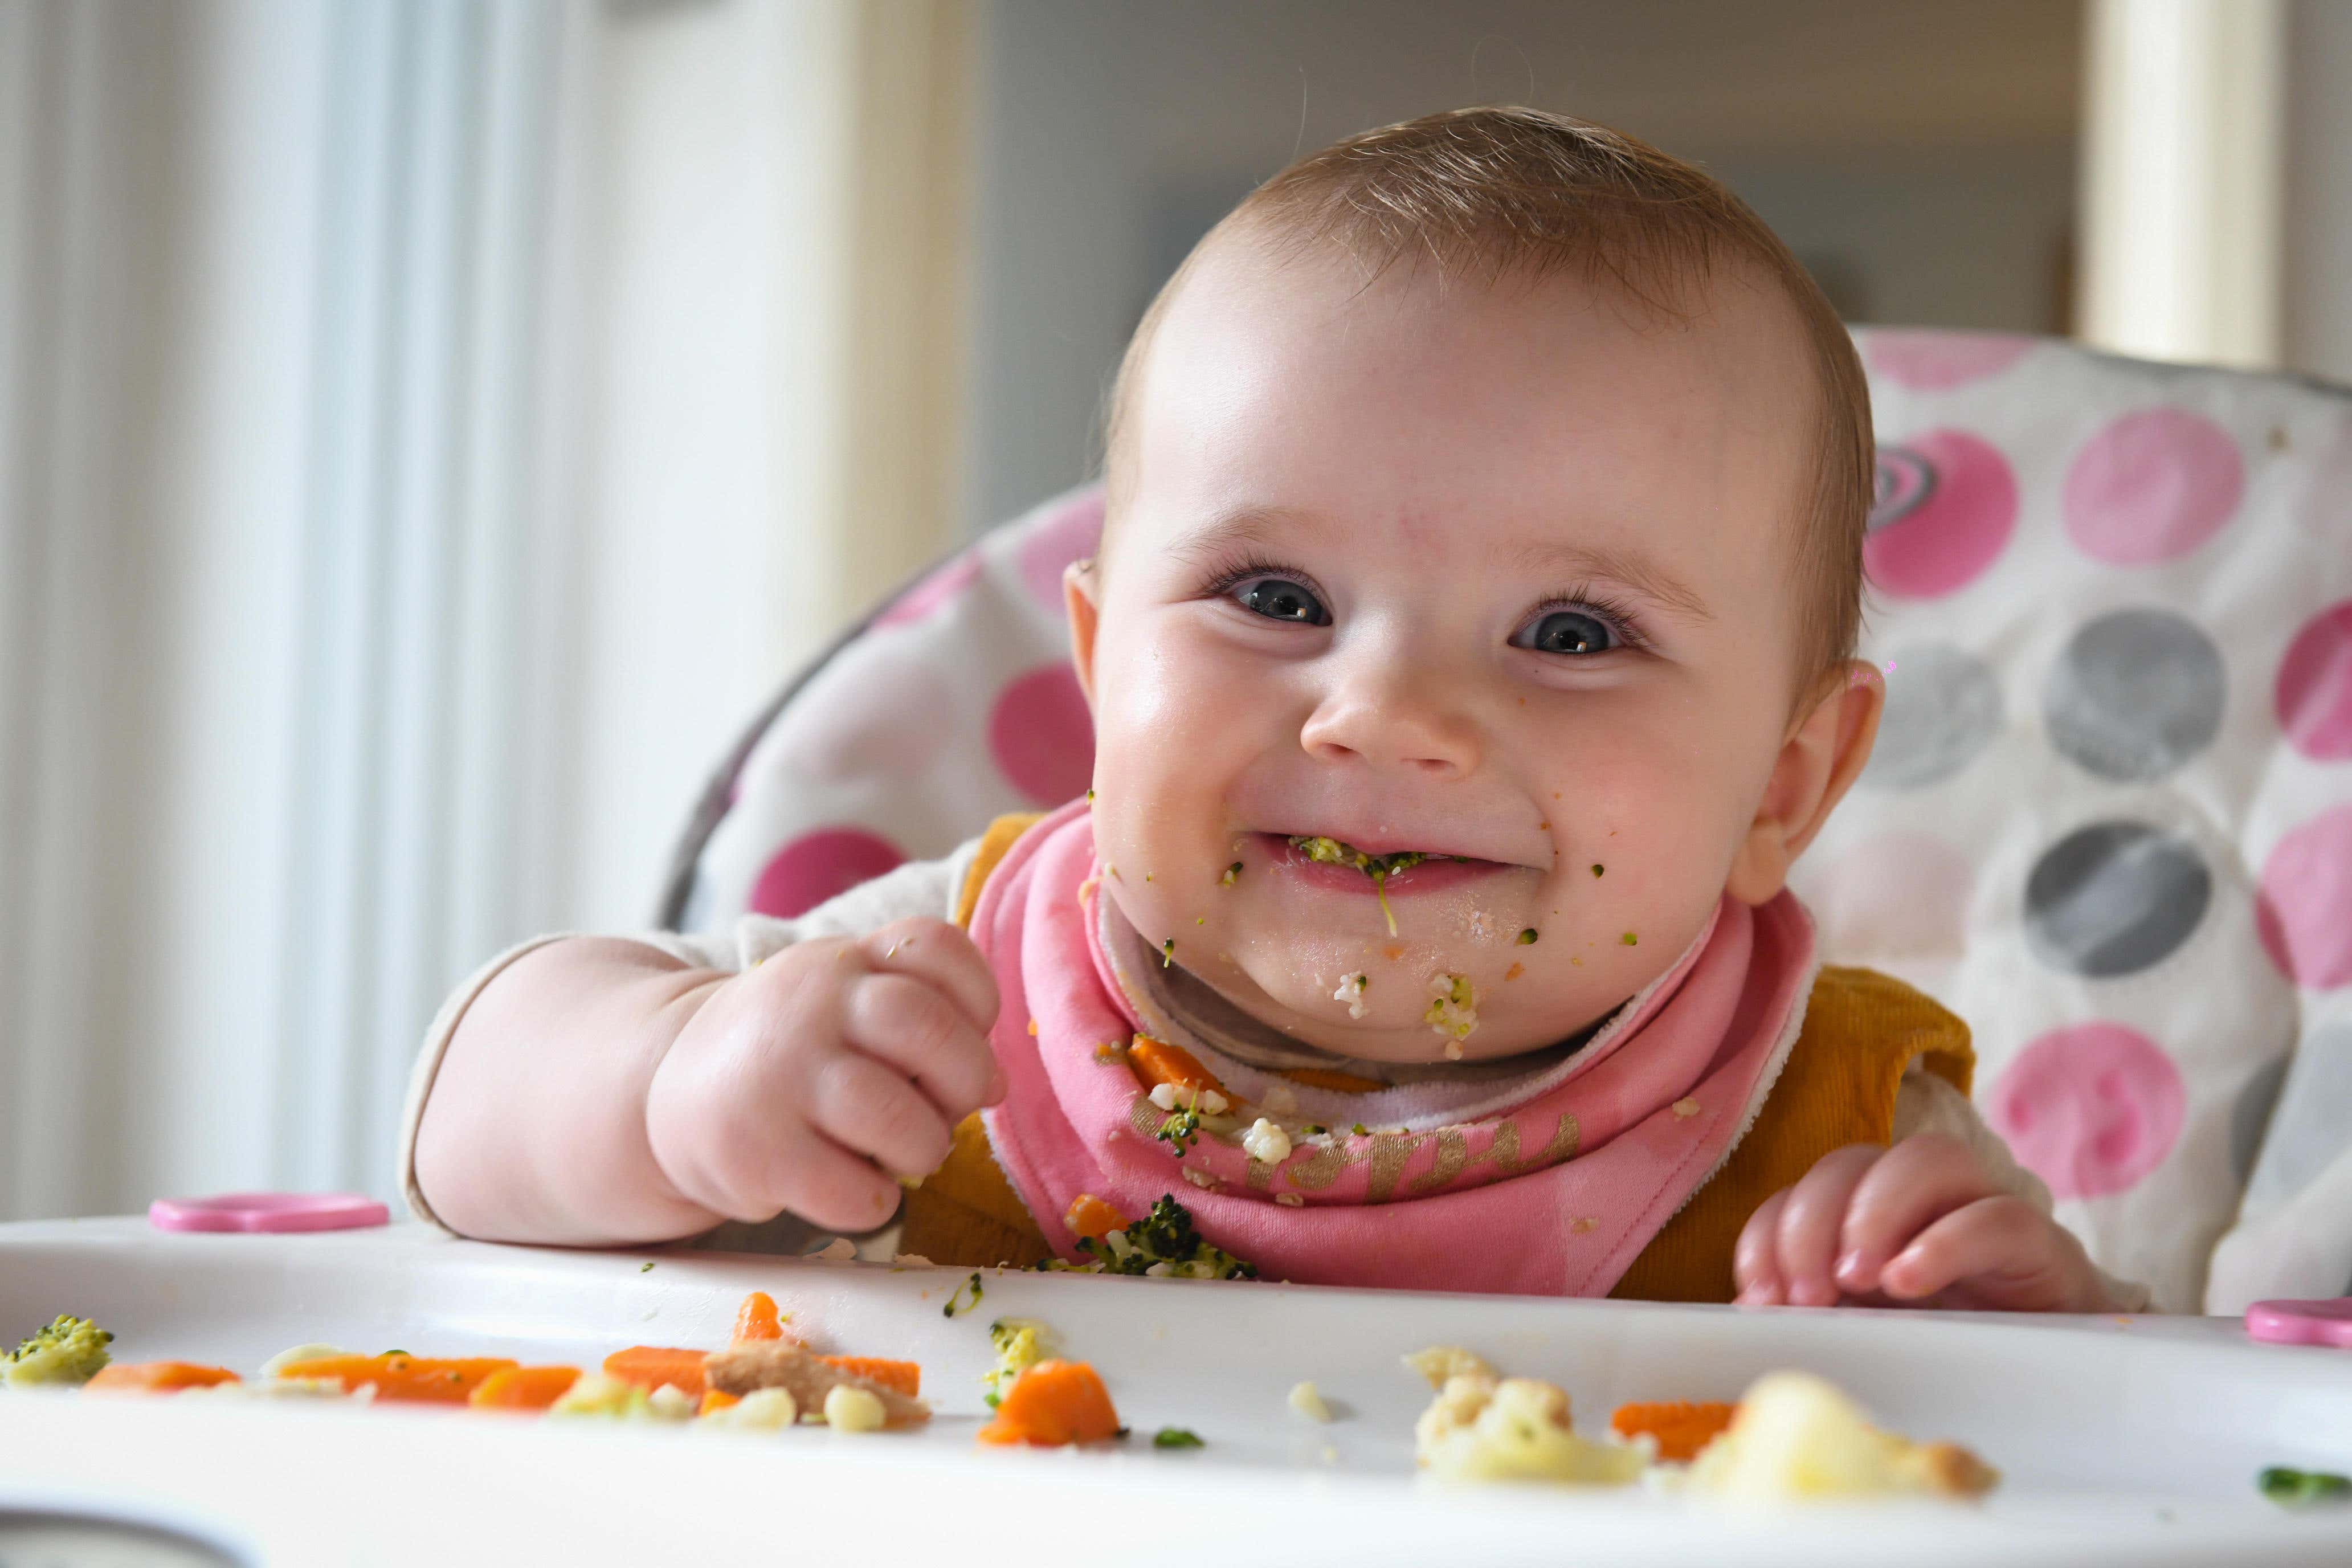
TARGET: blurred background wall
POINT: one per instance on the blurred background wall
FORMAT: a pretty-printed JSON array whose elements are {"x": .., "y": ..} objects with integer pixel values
[{"x": 429, "y": 429}]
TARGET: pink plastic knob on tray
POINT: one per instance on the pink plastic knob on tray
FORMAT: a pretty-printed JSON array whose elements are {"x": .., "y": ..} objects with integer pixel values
[
  {"x": 2325, "y": 1322},
  {"x": 275, "y": 1212}
]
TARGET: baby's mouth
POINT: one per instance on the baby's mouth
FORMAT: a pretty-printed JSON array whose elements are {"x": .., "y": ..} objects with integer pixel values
[
  {"x": 1337, "y": 865},
  {"x": 1325, "y": 851}
]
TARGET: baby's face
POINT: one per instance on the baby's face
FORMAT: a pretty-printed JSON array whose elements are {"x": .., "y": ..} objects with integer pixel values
[{"x": 1495, "y": 573}]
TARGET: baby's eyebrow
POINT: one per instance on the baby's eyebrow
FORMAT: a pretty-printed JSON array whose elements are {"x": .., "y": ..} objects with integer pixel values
[
  {"x": 1636, "y": 572},
  {"x": 1256, "y": 525}
]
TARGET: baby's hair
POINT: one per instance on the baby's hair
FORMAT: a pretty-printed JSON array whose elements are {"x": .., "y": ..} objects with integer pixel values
[{"x": 1493, "y": 193}]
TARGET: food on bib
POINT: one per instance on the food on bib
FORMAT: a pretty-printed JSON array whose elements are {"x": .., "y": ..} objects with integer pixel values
[{"x": 1163, "y": 1244}]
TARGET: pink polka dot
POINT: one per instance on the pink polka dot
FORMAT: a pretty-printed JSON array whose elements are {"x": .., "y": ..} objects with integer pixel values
[
  {"x": 1937, "y": 362},
  {"x": 2091, "y": 1109},
  {"x": 2152, "y": 486},
  {"x": 2304, "y": 908},
  {"x": 1067, "y": 534},
  {"x": 815, "y": 865},
  {"x": 880, "y": 714},
  {"x": 1956, "y": 530},
  {"x": 932, "y": 593},
  {"x": 1042, "y": 735},
  {"x": 2315, "y": 686},
  {"x": 1895, "y": 895}
]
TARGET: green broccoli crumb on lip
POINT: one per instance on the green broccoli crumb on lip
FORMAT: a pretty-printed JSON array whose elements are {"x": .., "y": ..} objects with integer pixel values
[{"x": 1527, "y": 937}]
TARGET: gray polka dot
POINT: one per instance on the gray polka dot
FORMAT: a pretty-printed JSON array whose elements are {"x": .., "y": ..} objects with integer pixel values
[
  {"x": 2250, "y": 1116},
  {"x": 1943, "y": 709},
  {"x": 2134, "y": 695},
  {"x": 1900, "y": 485},
  {"x": 2114, "y": 898},
  {"x": 2307, "y": 1133}
]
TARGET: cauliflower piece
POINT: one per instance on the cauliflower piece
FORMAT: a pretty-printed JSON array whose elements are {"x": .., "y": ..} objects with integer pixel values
[
  {"x": 761, "y": 1410},
  {"x": 1352, "y": 992},
  {"x": 1453, "y": 1010},
  {"x": 1439, "y": 1362},
  {"x": 848, "y": 1409},
  {"x": 597, "y": 1394},
  {"x": 1307, "y": 1400},
  {"x": 1267, "y": 1141},
  {"x": 1020, "y": 1344},
  {"x": 67, "y": 1352},
  {"x": 1478, "y": 1429},
  {"x": 1798, "y": 1437}
]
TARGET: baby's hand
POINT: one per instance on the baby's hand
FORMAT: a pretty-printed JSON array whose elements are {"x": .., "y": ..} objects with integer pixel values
[
  {"x": 1919, "y": 1225},
  {"x": 809, "y": 1082}
]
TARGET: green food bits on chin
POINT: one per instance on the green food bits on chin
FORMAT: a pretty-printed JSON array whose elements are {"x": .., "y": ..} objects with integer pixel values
[
  {"x": 1527, "y": 937},
  {"x": 1596, "y": 868},
  {"x": 1631, "y": 940},
  {"x": 1167, "y": 953},
  {"x": 1176, "y": 1437}
]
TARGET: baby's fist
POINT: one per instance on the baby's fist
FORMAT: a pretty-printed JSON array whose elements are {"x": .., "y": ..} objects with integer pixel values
[
  {"x": 1920, "y": 1225},
  {"x": 811, "y": 1082}
]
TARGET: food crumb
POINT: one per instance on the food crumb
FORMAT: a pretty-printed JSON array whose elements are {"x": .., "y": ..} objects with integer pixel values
[
  {"x": 1514, "y": 971},
  {"x": 1583, "y": 1224},
  {"x": 1685, "y": 1108},
  {"x": 848, "y": 1409},
  {"x": 1267, "y": 1141},
  {"x": 1453, "y": 1010},
  {"x": 1232, "y": 874},
  {"x": 1393, "y": 951},
  {"x": 1280, "y": 1100},
  {"x": 1289, "y": 1200},
  {"x": 1527, "y": 937},
  {"x": 1596, "y": 868},
  {"x": 1200, "y": 1178},
  {"x": 646, "y": 1266},
  {"x": 1309, "y": 1402},
  {"x": 1033, "y": 1028},
  {"x": 1352, "y": 992},
  {"x": 1631, "y": 940},
  {"x": 840, "y": 1249}
]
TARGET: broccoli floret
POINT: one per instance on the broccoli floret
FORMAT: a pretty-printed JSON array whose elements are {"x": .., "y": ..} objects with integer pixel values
[
  {"x": 68, "y": 1351},
  {"x": 2297, "y": 1489},
  {"x": 1020, "y": 1344},
  {"x": 1175, "y": 1437}
]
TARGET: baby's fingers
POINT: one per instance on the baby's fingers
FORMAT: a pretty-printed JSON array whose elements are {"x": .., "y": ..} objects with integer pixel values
[
  {"x": 1918, "y": 1182},
  {"x": 941, "y": 956},
  {"x": 1999, "y": 1252},
  {"x": 1812, "y": 1220},
  {"x": 908, "y": 1025},
  {"x": 1756, "y": 1260},
  {"x": 870, "y": 1110}
]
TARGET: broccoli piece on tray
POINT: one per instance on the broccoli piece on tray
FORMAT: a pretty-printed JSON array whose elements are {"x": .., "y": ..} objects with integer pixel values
[{"x": 68, "y": 1353}]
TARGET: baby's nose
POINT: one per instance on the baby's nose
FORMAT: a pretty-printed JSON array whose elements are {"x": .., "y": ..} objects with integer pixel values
[{"x": 1397, "y": 722}]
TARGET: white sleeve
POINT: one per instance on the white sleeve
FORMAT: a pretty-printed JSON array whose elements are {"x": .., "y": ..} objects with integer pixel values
[
  {"x": 1925, "y": 1102},
  {"x": 919, "y": 888}
]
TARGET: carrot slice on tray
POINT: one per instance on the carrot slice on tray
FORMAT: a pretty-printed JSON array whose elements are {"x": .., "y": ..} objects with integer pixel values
[
  {"x": 157, "y": 1377},
  {"x": 650, "y": 1366},
  {"x": 1156, "y": 1062},
  {"x": 1091, "y": 1217},
  {"x": 523, "y": 1388},
  {"x": 758, "y": 1319},
  {"x": 906, "y": 1377},
  {"x": 1681, "y": 1428},
  {"x": 1054, "y": 1403},
  {"x": 397, "y": 1376}
]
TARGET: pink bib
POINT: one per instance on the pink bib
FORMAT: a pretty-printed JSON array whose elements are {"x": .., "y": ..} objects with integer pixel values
[{"x": 1555, "y": 1195}]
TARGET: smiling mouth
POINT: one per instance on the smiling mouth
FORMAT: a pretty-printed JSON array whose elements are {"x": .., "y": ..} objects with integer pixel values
[
  {"x": 1322, "y": 860},
  {"x": 1379, "y": 868}
]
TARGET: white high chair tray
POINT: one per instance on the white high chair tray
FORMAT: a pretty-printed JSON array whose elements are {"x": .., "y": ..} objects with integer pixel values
[{"x": 2120, "y": 1439}]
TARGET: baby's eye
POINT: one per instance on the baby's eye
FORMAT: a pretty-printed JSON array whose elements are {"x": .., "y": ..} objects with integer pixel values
[
  {"x": 1281, "y": 599},
  {"x": 1569, "y": 632}
]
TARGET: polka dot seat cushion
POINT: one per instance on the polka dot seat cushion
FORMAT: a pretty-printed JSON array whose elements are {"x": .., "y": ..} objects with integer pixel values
[{"x": 2109, "y": 820}]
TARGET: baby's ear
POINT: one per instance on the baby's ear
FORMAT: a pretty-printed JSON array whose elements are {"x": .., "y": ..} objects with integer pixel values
[
  {"x": 1818, "y": 761},
  {"x": 1080, "y": 583}
]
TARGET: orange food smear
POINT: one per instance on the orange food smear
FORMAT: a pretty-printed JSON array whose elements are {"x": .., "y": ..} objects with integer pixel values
[
  {"x": 1681, "y": 1428},
  {"x": 1091, "y": 1217},
  {"x": 157, "y": 1377},
  {"x": 757, "y": 1319},
  {"x": 716, "y": 1399},
  {"x": 1158, "y": 1062},
  {"x": 523, "y": 1388}
]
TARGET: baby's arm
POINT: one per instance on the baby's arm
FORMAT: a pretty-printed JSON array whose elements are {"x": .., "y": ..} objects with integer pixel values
[
  {"x": 1946, "y": 1217},
  {"x": 599, "y": 1090}
]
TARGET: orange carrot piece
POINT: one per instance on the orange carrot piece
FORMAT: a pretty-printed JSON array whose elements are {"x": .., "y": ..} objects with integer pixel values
[
  {"x": 426, "y": 1379},
  {"x": 717, "y": 1399},
  {"x": 1091, "y": 1217},
  {"x": 1681, "y": 1428},
  {"x": 157, "y": 1377},
  {"x": 523, "y": 1388},
  {"x": 1052, "y": 1403},
  {"x": 650, "y": 1366},
  {"x": 906, "y": 1377},
  {"x": 758, "y": 1319},
  {"x": 1336, "y": 1081},
  {"x": 1155, "y": 1062}
]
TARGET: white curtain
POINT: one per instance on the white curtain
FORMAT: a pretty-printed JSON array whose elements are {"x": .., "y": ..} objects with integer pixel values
[{"x": 420, "y": 443}]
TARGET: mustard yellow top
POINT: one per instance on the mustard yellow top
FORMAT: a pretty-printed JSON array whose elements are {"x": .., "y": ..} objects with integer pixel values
[{"x": 1862, "y": 1031}]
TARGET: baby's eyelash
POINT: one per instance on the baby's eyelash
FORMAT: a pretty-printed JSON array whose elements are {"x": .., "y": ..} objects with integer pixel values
[
  {"x": 1601, "y": 605},
  {"x": 1225, "y": 577}
]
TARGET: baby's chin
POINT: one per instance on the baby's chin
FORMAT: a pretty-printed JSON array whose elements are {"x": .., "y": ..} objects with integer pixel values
[{"x": 1403, "y": 1017}]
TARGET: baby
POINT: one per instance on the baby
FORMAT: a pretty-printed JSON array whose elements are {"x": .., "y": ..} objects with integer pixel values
[{"x": 1470, "y": 655}]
